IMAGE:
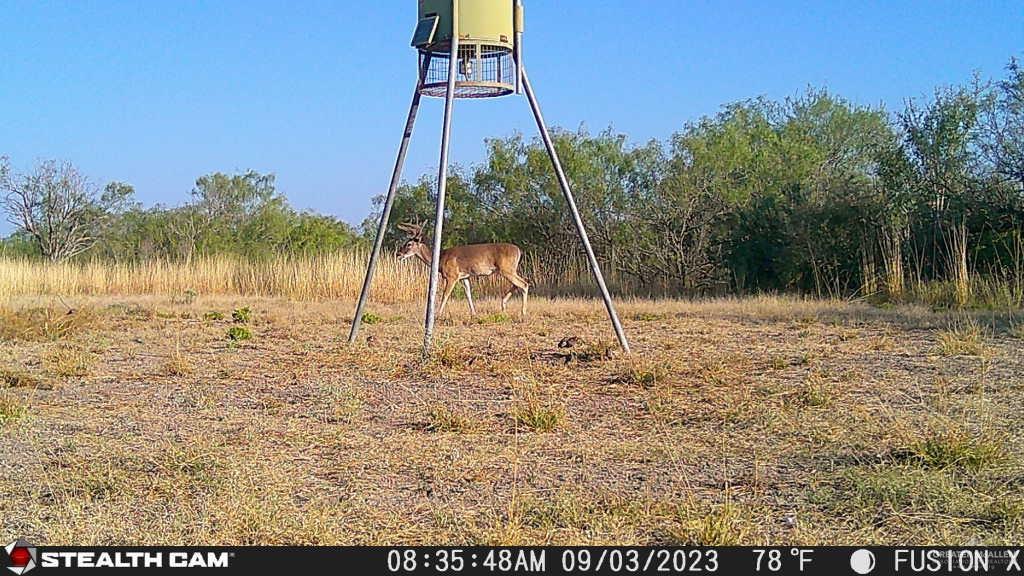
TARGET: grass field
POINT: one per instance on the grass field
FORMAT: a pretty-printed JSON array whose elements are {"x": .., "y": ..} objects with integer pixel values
[{"x": 188, "y": 419}]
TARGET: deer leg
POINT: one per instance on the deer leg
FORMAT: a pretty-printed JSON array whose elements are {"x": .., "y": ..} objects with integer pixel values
[
  {"x": 518, "y": 283},
  {"x": 523, "y": 287},
  {"x": 505, "y": 298},
  {"x": 449, "y": 287},
  {"x": 469, "y": 296}
]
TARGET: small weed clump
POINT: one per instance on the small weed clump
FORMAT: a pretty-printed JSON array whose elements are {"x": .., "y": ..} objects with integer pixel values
[
  {"x": 640, "y": 374},
  {"x": 178, "y": 365},
  {"x": 444, "y": 419},
  {"x": 962, "y": 338},
  {"x": 447, "y": 354},
  {"x": 17, "y": 379},
  {"x": 815, "y": 392},
  {"x": 496, "y": 318},
  {"x": 136, "y": 311},
  {"x": 187, "y": 297},
  {"x": 213, "y": 316},
  {"x": 241, "y": 315},
  {"x": 69, "y": 362},
  {"x": 956, "y": 448},
  {"x": 371, "y": 318},
  {"x": 1016, "y": 329},
  {"x": 239, "y": 333},
  {"x": 864, "y": 490},
  {"x": 11, "y": 409},
  {"x": 722, "y": 526},
  {"x": 648, "y": 317},
  {"x": 715, "y": 371},
  {"x": 338, "y": 403},
  {"x": 881, "y": 343},
  {"x": 537, "y": 414},
  {"x": 582, "y": 351}
]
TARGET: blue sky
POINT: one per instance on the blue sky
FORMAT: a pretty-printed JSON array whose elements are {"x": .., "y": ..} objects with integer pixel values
[{"x": 157, "y": 93}]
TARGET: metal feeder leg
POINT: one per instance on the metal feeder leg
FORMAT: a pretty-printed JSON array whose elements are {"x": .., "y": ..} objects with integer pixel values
[
  {"x": 442, "y": 183},
  {"x": 564, "y": 183},
  {"x": 389, "y": 200}
]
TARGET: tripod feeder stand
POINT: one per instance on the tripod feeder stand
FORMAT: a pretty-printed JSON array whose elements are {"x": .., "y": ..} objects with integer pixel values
[{"x": 470, "y": 49}]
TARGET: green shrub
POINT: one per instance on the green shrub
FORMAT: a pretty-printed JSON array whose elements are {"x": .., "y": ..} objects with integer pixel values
[
  {"x": 371, "y": 318},
  {"x": 239, "y": 333},
  {"x": 241, "y": 315}
]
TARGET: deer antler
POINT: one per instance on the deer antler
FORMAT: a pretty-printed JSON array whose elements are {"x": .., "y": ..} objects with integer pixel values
[{"x": 414, "y": 229}]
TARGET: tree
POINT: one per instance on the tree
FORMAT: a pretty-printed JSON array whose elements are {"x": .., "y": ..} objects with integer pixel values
[
  {"x": 59, "y": 208},
  {"x": 941, "y": 142},
  {"x": 1003, "y": 126},
  {"x": 238, "y": 213}
]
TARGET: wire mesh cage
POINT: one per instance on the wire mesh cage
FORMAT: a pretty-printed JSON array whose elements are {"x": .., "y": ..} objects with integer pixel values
[{"x": 483, "y": 71}]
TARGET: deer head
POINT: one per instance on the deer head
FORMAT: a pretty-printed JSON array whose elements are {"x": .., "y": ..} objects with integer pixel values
[{"x": 413, "y": 239}]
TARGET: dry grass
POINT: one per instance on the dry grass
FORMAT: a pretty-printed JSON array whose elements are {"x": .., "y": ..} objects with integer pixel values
[
  {"x": 310, "y": 278},
  {"x": 963, "y": 337},
  {"x": 955, "y": 446},
  {"x": 538, "y": 415},
  {"x": 43, "y": 323},
  {"x": 69, "y": 361},
  {"x": 442, "y": 418},
  {"x": 724, "y": 525},
  {"x": 11, "y": 378},
  {"x": 302, "y": 278},
  {"x": 178, "y": 364},
  {"x": 11, "y": 409},
  {"x": 737, "y": 421}
]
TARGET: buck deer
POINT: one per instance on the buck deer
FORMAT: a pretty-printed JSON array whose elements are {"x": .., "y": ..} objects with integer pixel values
[{"x": 460, "y": 263}]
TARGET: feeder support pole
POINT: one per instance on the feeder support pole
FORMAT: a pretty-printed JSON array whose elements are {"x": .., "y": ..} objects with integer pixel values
[
  {"x": 564, "y": 183},
  {"x": 389, "y": 200},
  {"x": 442, "y": 181}
]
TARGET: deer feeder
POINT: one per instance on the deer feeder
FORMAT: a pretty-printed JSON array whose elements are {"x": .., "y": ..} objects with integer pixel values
[
  {"x": 485, "y": 63},
  {"x": 470, "y": 49}
]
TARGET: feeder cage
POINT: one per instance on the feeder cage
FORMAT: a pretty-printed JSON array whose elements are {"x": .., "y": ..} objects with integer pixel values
[{"x": 487, "y": 29}]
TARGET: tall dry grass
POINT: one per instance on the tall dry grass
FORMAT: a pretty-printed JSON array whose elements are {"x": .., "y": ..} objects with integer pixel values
[
  {"x": 339, "y": 276},
  {"x": 892, "y": 259},
  {"x": 322, "y": 277},
  {"x": 959, "y": 272},
  {"x": 317, "y": 277}
]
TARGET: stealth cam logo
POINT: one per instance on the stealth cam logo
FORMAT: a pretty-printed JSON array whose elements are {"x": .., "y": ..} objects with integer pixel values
[{"x": 21, "y": 556}]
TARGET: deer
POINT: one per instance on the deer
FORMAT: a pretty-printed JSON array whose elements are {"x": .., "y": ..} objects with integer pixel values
[{"x": 460, "y": 263}]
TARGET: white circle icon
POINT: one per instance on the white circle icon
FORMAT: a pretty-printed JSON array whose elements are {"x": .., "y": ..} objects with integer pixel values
[{"x": 862, "y": 561}]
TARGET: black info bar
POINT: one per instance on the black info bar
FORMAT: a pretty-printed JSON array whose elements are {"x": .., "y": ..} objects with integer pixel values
[{"x": 22, "y": 557}]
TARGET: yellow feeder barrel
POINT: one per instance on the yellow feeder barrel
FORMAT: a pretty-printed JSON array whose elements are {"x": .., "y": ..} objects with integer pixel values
[
  {"x": 489, "y": 22},
  {"x": 487, "y": 41}
]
